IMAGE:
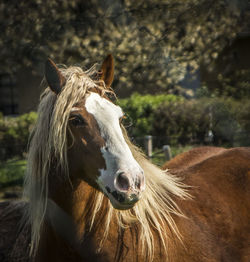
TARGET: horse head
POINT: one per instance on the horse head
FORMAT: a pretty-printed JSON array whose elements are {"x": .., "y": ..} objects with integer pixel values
[{"x": 97, "y": 150}]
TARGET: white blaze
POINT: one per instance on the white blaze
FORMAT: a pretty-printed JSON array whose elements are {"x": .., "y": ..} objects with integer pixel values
[{"x": 116, "y": 152}]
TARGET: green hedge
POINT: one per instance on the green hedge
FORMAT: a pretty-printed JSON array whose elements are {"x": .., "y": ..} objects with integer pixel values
[
  {"x": 189, "y": 121},
  {"x": 14, "y": 134},
  {"x": 181, "y": 121},
  {"x": 139, "y": 110},
  {"x": 12, "y": 173},
  {"x": 186, "y": 121}
]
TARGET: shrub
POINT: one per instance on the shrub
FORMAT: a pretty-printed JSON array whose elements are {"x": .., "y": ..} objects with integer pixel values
[
  {"x": 225, "y": 124},
  {"x": 12, "y": 172},
  {"x": 170, "y": 118},
  {"x": 181, "y": 121},
  {"x": 139, "y": 110},
  {"x": 242, "y": 115},
  {"x": 190, "y": 121},
  {"x": 14, "y": 134}
]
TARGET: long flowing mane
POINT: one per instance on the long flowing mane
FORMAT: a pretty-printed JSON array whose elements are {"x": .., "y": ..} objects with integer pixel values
[{"x": 49, "y": 143}]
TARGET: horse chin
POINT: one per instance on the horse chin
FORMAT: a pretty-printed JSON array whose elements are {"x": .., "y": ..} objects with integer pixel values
[{"x": 121, "y": 206}]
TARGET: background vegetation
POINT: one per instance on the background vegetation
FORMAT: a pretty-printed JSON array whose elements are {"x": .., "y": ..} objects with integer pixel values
[
  {"x": 156, "y": 43},
  {"x": 14, "y": 134},
  {"x": 181, "y": 123},
  {"x": 188, "y": 54}
]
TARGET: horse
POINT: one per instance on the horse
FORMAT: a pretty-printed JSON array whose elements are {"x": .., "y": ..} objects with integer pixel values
[{"x": 90, "y": 194}]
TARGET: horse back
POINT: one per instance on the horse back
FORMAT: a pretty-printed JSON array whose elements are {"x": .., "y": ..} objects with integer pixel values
[{"x": 218, "y": 215}]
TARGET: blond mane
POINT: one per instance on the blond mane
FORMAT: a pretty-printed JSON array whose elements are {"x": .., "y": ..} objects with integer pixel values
[{"x": 49, "y": 141}]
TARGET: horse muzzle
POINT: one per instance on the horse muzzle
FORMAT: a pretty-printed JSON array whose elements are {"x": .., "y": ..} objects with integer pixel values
[{"x": 127, "y": 189}]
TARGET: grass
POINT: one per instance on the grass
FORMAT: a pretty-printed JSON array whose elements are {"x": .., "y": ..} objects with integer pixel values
[
  {"x": 159, "y": 157},
  {"x": 12, "y": 172},
  {"x": 176, "y": 150}
]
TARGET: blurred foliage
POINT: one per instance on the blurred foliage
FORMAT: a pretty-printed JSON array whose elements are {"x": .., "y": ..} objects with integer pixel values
[
  {"x": 235, "y": 84},
  {"x": 12, "y": 172},
  {"x": 174, "y": 120},
  {"x": 139, "y": 111},
  {"x": 170, "y": 119},
  {"x": 154, "y": 42},
  {"x": 226, "y": 119},
  {"x": 182, "y": 121},
  {"x": 14, "y": 134}
]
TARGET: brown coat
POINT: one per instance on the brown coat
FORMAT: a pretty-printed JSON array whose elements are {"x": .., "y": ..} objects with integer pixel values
[{"x": 217, "y": 227}]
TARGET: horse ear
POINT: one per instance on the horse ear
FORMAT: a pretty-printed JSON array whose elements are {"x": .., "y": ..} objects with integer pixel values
[
  {"x": 53, "y": 76},
  {"x": 107, "y": 70}
]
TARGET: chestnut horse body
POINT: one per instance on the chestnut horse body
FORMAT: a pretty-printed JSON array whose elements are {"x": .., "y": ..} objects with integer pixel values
[{"x": 92, "y": 196}]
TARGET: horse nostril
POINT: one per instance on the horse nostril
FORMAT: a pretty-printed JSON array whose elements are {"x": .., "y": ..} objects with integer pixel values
[{"x": 122, "y": 182}]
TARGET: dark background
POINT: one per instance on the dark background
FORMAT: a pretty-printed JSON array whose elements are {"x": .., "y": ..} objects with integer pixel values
[
  {"x": 182, "y": 68},
  {"x": 175, "y": 46}
]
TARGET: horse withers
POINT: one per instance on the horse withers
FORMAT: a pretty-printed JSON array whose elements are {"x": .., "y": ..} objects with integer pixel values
[{"x": 91, "y": 195}]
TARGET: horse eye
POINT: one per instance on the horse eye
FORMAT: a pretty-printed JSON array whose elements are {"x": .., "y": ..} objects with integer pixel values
[
  {"x": 77, "y": 120},
  {"x": 121, "y": 120},
  {"x": 126, "y": 121}
]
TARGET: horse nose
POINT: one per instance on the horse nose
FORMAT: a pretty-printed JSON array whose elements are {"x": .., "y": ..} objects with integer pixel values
[
  {"x": 122, "y": 182},
  {"x": 125, "y": 182}
]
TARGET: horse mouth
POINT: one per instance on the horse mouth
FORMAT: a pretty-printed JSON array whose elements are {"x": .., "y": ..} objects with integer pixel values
[
  {"x": 120, "y": 202},
  {"x": 121, "y": 198},
  {"x": 121, "y": 206}
]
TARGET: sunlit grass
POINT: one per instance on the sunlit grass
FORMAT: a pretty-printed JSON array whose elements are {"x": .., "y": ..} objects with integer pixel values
[{"x": 159, "y": 158}]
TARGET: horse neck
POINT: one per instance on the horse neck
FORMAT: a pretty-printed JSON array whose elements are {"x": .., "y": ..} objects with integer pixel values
[
  {"x": 76, "y": 199},
  {"x": 73, "y": 197}
]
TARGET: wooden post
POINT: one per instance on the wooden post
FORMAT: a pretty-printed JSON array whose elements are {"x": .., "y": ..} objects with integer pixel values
[
  {"x": 210, "y": 135},
  {"x": 148, "y": 142},
  {"x": 167, "y": 151}
]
